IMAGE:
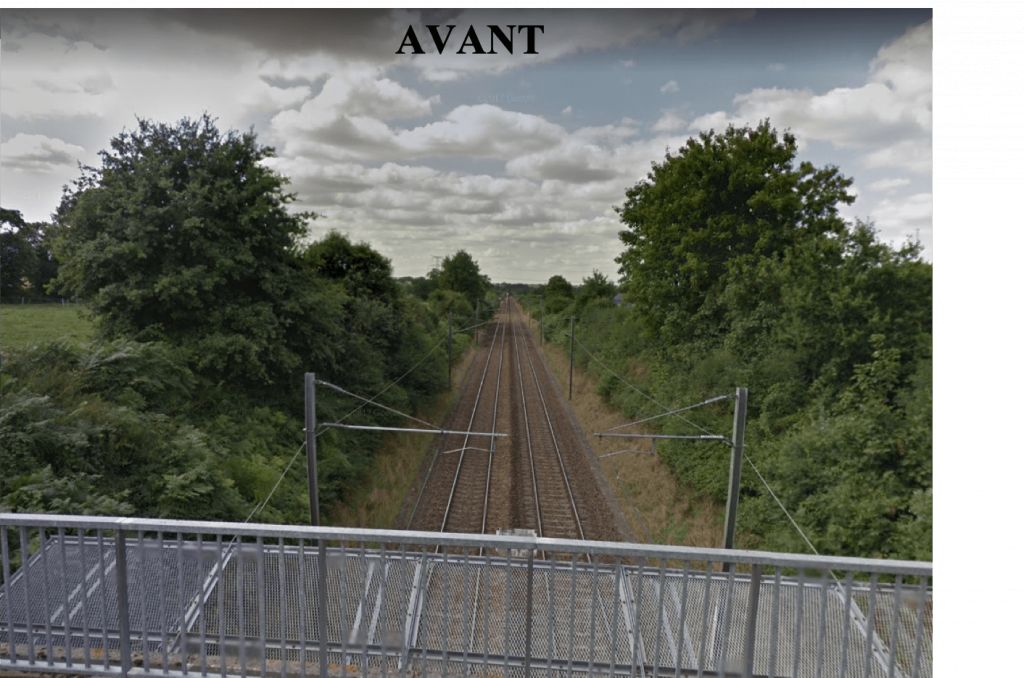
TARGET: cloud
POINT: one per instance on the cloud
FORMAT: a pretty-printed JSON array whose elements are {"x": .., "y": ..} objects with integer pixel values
[
  {"x": 889, "y": 116},
  {"x": 39, "y": 153},
  {"x": 776, "y": 67},
  {"x": 670, "y": 87},
  {"x": 567, "y": 110},
  {"x": 890, "y": 184},
  {"x": 670, "y": 121},
  {"x": 901, "y": 217},
  {"x": 565, "y": 34},
  {"x": 627, "y": 63}
]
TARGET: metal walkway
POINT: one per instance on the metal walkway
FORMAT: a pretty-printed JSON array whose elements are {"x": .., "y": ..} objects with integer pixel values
[{"x": 237, "y": 599}]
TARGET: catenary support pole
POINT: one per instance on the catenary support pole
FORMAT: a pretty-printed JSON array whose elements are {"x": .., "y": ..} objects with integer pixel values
[
  {"x": 572, "y": 348},
  {"x": 542, "y": 319},
  {"x": 314, "y": 494},
  {"x": 739, "y": 427},
  {"x": 449, "y": 349}
]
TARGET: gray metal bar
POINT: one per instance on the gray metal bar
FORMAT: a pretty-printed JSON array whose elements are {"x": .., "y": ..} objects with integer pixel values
[
  {"x": 83, "y": 585},
  {"x": 869, "y": 632},
  {"x": 321, "y": 617},
  {"x": 5, "y": 557},
  {"x": 26, "y": 569},
  {"x": 819, "y": 663},
  {"x": 919, "y": 629},
  {"x": 773, "y": 633},
  {"x": 478, "y": 541},
  {"x": 141, "y": 549},
  {"x": 48, "y": 621},
  {"x": 895, "y": 626},
  {"x": 67, "y": 597},
  {"x": 121, "y": 570},
  {"x": 400, "y": 429},
  {"x": 202, "y": 596},
  {"x": 844, "y": 651},
  {"x": 103, "y": 596},
  {"x": 529, "y": 606},
  {"x": 219, "y": 584},
  {"x": 660, "y": 436},
  {"x": 240, "y": 603},
  {"x": 282, "y": 605},
  {"x": 311, "y": 473},
  {"x": 799, "y": 622},
  {"x": 750, "y": 636},
  {"x": 261, "y": 605},
  {"x": 739, "y": 427},
  {"x": 301, "y": 586},
  {"x": 162, "y": 605},
  {"x": 182, "y": 605},
  {"x": 676, "y": 411}
]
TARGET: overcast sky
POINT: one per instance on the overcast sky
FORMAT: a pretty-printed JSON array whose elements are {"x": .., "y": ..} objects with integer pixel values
[{"x": 518, "y": 159}]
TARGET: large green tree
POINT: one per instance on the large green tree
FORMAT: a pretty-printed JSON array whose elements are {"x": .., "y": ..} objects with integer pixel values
[
  {"x": 705, "y": 213},
  {"x": 183, "y": 233},
  {"x": 460, "y": 273}
]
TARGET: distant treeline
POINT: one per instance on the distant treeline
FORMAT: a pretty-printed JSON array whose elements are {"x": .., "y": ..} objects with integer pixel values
[
  {"x": 211, "y": 303},
  {"x": 738, "y": 271}
]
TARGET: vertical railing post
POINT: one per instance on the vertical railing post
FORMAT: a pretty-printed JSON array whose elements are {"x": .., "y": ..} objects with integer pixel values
[
  {"x": 751, "y": 631},
  {"x": 449, "y": 349},
  {"x": 572, "y": 347},
  {"x": 529, "y": 612},
  {"x": 121, "y": 585},
  {"x": 311, "y": 474},
  {"x": 739, "y": 426},
  {"x": 321, "y": 600}
]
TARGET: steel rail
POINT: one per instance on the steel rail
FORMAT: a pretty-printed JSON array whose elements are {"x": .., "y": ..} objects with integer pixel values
[
  {"x": 529, "y": 436},
  {"x": 554, "y": 440},
  {"x": 465, "y": 441}
]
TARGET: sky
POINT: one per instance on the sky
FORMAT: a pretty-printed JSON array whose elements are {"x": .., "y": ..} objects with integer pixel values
[{"x": 518, "y": 159}]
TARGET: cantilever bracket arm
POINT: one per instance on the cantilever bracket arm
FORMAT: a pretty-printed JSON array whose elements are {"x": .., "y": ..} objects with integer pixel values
[
  {"x": 439, "y": 431},
  {"x": 662, "y": 436}
]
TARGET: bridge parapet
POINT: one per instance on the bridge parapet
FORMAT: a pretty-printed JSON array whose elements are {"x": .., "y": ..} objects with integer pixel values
[{"x": 113, "y": 596}]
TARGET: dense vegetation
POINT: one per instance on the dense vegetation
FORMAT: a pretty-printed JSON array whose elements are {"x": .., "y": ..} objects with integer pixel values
[
  {"x": 210, "y": 304},
  {"x": 738, "y": 270}
]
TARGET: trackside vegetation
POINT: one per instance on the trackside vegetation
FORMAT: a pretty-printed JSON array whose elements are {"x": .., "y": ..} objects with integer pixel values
[
  {"x": 737, "y": 269},
  {"x": 210, "y": 301}
]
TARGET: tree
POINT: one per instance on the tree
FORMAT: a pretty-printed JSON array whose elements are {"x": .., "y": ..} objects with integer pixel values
[
  {"x": 558, "y": 287},
  {"x": 460, "y": 273},
  {"x": 702, "y": 215},
  {"x": 183, "y": 233},
  {"x": 596, "y": 286},
  {"x": 363, "y": 270},
  {"x": 17, "y": 258}
]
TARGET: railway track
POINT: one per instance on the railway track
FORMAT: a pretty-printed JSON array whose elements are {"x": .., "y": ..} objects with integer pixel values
[
  {"x": 455, "y": 496},
  {"x": 540, "y": 477}
]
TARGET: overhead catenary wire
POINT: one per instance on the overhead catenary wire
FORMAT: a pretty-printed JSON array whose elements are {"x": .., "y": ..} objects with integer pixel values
[
  {"x": 638, "y": 390},
  {"x": 369, "y": 401},
  {"x": 677, "y": 411},
  {"x": 760, "y": 476}
]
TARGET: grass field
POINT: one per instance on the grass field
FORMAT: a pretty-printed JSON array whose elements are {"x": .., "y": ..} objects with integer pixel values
[{"x": 26, "y": 324}]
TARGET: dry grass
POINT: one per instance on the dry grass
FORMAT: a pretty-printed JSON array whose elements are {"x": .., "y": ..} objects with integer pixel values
[
  {"x": 396, "y": 466},
  {"x": 657, "y": 508}
]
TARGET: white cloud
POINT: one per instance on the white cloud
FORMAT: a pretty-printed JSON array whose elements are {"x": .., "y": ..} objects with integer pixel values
[
  {"x": 776, "y": 67},
  {"x": 670, "y": 87},
  {"x": 627, "y": 63},
  {"x": 567, "y": 110},
  {"x": 893, "y": 106},
  {"x": 899, "y": 218},
  {"x": 889, "y": 184},
  {"x": 39, "y": 153},
  {"x": 670, "y": 121}
]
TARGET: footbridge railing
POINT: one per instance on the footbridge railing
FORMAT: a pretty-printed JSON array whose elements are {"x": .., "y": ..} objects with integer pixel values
[{"x": 120, "y": 596}]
